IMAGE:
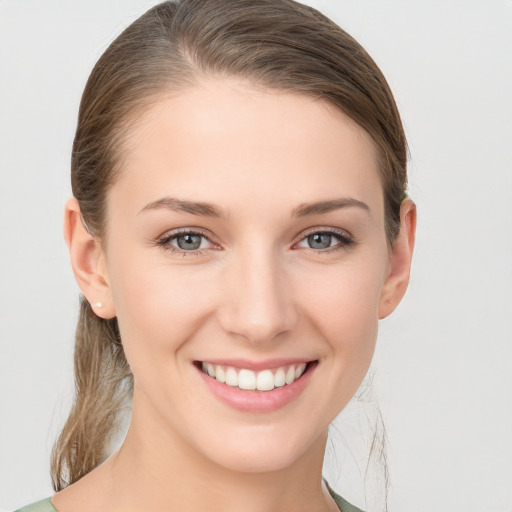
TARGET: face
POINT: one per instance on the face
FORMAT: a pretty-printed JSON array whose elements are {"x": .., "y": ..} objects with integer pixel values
[{"x": 245, "y": 238}]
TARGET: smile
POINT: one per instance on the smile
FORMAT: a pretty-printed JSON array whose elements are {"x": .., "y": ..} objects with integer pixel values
[
  {"x": 246, "y": 379},
  {"x": 256, "y": 387}
]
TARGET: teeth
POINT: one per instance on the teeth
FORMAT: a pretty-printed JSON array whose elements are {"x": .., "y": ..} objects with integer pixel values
[
  {"x": 298, "y": 372},
  {"x": 220, "y": 374},
  {"x": 231, "y": 377},
  {"x": 247, "y": 379},
  {"x": 279, "y": 378},
  {"x": 265, "y": 380},
  {"x": 290, "y": 375}
]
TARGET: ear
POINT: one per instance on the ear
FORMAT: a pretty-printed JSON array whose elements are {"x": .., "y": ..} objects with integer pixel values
[
  {"x": 400, "y": 261},
  {"x": 88, "y": 261}
]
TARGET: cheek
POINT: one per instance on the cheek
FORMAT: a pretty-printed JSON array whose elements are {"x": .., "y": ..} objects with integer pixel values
[
  {"x": 345, "y": 296},
  {"x": 344, "y": 307},
  {"x": 154, "y": 304}
]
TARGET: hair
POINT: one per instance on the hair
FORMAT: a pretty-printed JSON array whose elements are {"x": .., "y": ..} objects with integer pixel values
[{"x": 276, "y": 44}]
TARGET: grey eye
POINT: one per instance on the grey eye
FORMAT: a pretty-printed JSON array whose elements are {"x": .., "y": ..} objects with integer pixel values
[
  {"x": 189, "y": 242},
  {"x": 319, "y": 240}
]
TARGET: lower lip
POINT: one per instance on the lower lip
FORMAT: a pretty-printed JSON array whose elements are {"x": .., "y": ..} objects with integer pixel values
[{"x": 258, "y": 401}]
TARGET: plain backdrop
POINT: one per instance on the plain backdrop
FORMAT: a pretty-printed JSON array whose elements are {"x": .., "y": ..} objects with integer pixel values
[{"x": 443, "y": 367}]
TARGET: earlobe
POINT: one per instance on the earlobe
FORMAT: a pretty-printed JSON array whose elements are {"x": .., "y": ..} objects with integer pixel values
[
  {"x": 88, "y": 261},
  {"x": 400, "y": 260}
]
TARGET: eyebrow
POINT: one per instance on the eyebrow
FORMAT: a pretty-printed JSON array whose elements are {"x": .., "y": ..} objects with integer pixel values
[
  {"x": 210, "y": 210},
  {"x": 319, "y": 207},
  {"x": 182, "y": 205}
]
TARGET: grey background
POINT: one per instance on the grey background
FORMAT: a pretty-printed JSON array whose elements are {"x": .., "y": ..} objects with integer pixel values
[{"x": 443, "y": 367}]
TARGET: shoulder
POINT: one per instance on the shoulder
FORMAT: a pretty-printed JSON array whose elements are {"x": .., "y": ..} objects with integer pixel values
[
  {"x": 40, "y": 506},
  {"x": 343, "y": 505}
]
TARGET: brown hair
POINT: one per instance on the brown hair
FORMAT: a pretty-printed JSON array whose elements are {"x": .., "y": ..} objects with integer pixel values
[{"x": 279, "y": 44}]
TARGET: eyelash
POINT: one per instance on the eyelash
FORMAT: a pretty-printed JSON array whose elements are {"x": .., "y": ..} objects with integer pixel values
[
  {"x": 345, "y": 241},
  {"x": 165, "y": 240}
]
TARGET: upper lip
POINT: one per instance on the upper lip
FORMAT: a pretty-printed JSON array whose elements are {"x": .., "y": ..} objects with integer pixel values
[{"x": 267, "y": 364}]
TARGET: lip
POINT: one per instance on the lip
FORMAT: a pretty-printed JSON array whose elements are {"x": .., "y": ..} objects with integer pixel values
[
  {"x": 257, "y": 366},
  {"x": 258, "y": 401}
]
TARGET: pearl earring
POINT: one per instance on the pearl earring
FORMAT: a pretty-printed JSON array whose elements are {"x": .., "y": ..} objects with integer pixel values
[{"x": 98, "y": 304}]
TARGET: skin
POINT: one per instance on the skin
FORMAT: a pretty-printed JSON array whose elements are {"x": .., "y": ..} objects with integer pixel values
[{"x": 257, "y": 291}]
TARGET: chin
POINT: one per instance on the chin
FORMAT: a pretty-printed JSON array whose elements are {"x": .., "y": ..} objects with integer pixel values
[{"x": 260, "y": 452}]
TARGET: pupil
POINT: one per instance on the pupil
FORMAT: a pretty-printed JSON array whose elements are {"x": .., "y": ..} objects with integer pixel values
[
  {"x": 189, "y": 242},
  {"x": 319, "y": 240}
]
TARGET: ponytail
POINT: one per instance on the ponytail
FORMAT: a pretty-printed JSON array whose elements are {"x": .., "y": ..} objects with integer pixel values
[{"x": 103, "y": 380}]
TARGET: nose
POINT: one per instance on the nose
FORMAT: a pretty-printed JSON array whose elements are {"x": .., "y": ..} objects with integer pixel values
[{"x": 257, "y": 299}]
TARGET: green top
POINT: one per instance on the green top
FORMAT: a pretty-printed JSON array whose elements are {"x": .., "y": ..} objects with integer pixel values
[
  {"x": 40, "y": 506},
  {"x": 46, "y": 505}
]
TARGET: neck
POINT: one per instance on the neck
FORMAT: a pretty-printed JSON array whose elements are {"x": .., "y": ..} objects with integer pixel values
[
  {"x": 160, "y": 471},
  {"x": 155, "y": 470}
]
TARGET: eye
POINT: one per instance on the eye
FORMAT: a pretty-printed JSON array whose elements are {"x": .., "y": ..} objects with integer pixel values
[
  {"x": 185, "y": 242},
  {"x": 327, "y": 240}
]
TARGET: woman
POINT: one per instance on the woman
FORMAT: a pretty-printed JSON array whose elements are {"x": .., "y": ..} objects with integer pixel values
[{"x": 238, "y": 227}]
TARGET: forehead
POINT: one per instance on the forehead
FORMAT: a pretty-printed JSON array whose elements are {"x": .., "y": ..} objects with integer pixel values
[{"x": 229, "y": 138}]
